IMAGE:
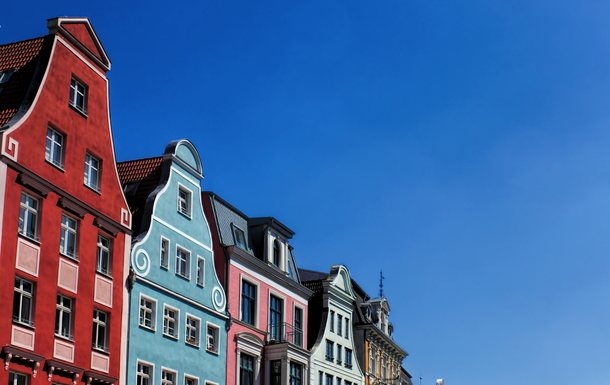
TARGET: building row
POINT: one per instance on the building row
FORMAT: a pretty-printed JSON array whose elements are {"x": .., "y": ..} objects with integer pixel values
[{"x": 153, "y": 281}]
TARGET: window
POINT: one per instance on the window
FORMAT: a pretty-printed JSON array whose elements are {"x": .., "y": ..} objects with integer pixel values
[
  {"x": 144, "y": 376},
  {"x": 100, "y": 323},
  {"x": 92, "y": 172},
  {"x": 373, "y": 361},
  {"x": 332, "y": 321},
  {"x": 347, "y": 327},
  {"x": 212, "y": 338},
  {"x": 248, "y": 302},
  {"x": 168, "y": 377},
  {"x": 192, "y": 330},
  {"x": 78, "y": 95},
  {"x": 338, "y": 354},
  {"x": 240, "y": 237},
  {"x": 22, "y": 301},
  {"x": 190, "y": 380},
  {"x": 67, "y": 241},
  {"x": 148, "y": 309},
  {"x": 200, "y": 271},
  {"x": 320, "y": 378},
  {"x": 276, "y": 372},
  {"x": 339, "y": 324},
  {"x": 28, "y": 216},
  {"x": 246, "y": 370},
  {"x": 338, "y": 381},
  {"x": 183, "y": 261},
  {"x": 330, "y": 347},
  {"x": 164, "y": 253},
  {"x": 276, "y": 306},
  {"x": 170, "y": 318},
  {"x": 348, "y": 358},
  {"x": 63, "y": 316},
  {"x": 54, "y": 152},
  {"x": 329, "y": 379},
  {"x": 298, "y": 326},
  {"x": 295, "y": 373},
  {"x": 15, "y": 378},
  {"x": 276, "y": 253},
  {"x": 103, "y": 255},
  {"x": 184, "y": 201}
]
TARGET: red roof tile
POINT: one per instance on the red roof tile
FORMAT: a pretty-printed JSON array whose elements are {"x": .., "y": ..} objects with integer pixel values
[
  {"x": 137, "y": 170},
  {"x": 16, "y": 55}
]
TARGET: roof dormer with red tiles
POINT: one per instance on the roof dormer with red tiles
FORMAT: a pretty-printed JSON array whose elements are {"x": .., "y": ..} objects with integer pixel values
[{"x": 64, "y": 220}]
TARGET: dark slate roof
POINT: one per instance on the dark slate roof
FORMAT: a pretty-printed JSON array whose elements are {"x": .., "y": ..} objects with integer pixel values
[
  {"x": 139, "y": 178},
  {"x": 226, "y": 216},
  {"x": 310, "y": 275},
  {"x": 23, "y": 56}
]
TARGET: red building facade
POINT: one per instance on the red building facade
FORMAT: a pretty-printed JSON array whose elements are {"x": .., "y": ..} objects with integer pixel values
[{"x": 64, "y": 222}]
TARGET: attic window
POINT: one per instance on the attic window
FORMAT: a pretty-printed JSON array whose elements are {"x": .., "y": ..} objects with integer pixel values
[
  {"x": 5, "y": 75},
  {"x": 240, "y": 237}
]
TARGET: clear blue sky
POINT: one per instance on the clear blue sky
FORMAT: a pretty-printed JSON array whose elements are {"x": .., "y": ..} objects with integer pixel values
[{"x": 460, "y": 146}]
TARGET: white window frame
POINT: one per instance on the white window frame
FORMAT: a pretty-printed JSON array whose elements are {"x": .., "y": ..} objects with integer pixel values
[
  {"x": 256, "y": 299},
  {"x": 212, "y": 340},
  {"x": 192, "y": 378},
  {"x": 166, "y": 371},
  {"x": 152, "y": 311},
  {"x": 24, "y": 294},
  {"x": 93, "y": 171},
  {"x": 16, "y": 376},
  {"x": 100, "y": 325},
  {"x": 200, "y": 271},
  {"x": 186, "y": 262},
  {"x": 184, "y": 204},
  {"x": 145, "y": 378},
  {"x": 78, "y": 89},
  {"x": 68, "y": 231},
  {"x": 170, "y": 322},
  {"x": 54, "y": 148},
  {"x": 294, "y": 326},
  {"x": 60, "y": 312},
  {"x": 103, "y": 249},
  {"x": 240, "y": 237},
  {"x": 27, "y": 215},
  {"x": 191, "y": 330},
  {"x": 164, "y": 250}
]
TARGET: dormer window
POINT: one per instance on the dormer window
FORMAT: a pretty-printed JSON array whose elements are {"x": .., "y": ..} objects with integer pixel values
[
  {"x": 240, "y": 237},
  {"x": 275, "y": 258},
  {"x": 78, "y": 96},
  {"x": 184, "y": 201}
]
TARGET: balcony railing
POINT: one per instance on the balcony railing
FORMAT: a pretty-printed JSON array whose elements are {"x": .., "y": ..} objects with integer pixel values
[{"x": 285, "y": 332}]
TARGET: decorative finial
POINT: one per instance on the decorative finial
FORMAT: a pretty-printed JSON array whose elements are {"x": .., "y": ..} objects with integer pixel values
[{"x": 381, "y": 278}]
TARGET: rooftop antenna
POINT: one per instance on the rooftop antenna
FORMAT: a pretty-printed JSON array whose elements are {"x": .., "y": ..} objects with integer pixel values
[{"x": 381, "y": 278}]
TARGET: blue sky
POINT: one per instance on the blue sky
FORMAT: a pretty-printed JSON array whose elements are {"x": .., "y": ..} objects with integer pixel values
[{"x": 462, "y": 147}]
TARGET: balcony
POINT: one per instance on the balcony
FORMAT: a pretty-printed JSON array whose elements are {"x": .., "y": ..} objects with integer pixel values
[{"x": 285, "y": 332}]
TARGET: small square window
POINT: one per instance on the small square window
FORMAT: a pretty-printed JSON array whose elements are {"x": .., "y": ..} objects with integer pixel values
[
  {"x": 192, "y": 330},
  {"x": 92, "y": 172},
  {"x": 164, "y": 262},
  {"x": 240, "y": 237},
  {"x": 54, "y": 152},
  {"x": 78, "y": 95},
  {"x": 28, "y": 216},
  {"x": 212, "y": 338},
  {"x": 67, "y": 241},
  {"x": 103, "y": 255},
  {"x": 100, "y": 327},
  {"x": 148, "y": 311},
  {"x": 144, "y": 374},
  {"x": 184, "y": 201},
  {"x": 188, "y": 380},
  {"x": 183, "y": 263},
  {"x": 200, "y": 271},
  {"x": 168, "y": 377},
  {"x": 171, "y": 317},
  {"x": 63, "y": 317}
]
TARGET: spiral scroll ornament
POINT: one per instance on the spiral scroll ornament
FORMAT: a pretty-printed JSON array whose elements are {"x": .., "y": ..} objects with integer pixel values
[
  {"x": 141, "y": 263},
  {"x": 218, "y": 299}
]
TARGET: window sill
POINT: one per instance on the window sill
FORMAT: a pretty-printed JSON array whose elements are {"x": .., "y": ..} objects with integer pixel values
[
  {"x": 183, "y": 277},
  {"x": 34, "y": 240},
  {"x": 107, "y": 275},
  {"x": 187, "y": 216},
  {"x": 95, "y": 190},
  {"x": 147, "y": 328},
  {"x": 212, "y": 351},
  {"x": 80, "y": 112},
  {"x": 192, "y": 344},
  {"x": 72, "y": 258},
  {"x": 170, "y": 336},
  {"x": 25, "y": 325},
  {"x": 100, "y": 350},
  {"x": 65, "y": 338},
  {"x": 60, "y": 167}
]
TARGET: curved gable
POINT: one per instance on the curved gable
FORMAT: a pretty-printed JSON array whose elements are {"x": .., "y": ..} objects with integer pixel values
[
  {"x": 342, "y": 279},
  {"x": 185, "y": 154}
]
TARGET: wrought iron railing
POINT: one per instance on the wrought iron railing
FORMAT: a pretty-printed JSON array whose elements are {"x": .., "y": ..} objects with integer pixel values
[{"x": 285, "y": 332}]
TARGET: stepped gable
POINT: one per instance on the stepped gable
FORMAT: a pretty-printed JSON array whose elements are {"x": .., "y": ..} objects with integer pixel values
[
  {"x": 139, "y": 178},
  {"x": 19, "y": 60}
]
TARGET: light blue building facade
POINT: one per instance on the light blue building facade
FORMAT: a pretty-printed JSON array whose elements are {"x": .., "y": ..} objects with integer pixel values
[{"x": 177, "y": 306}]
